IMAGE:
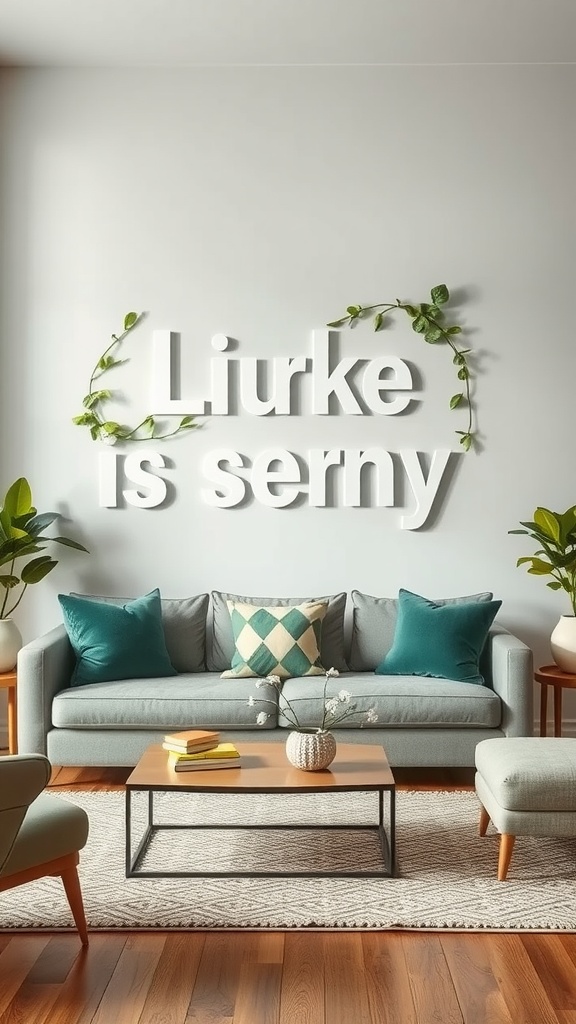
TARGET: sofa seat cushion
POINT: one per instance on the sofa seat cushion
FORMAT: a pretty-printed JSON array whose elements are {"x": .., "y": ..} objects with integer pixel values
[
  {"x": 401, "y": 701},
  {"x": 183, "y": 701}
]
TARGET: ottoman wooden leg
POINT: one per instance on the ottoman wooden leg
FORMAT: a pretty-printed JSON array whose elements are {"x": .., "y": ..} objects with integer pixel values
[
  {"x": 506, "y": 848},
  {"x": 484, "y": 820}
]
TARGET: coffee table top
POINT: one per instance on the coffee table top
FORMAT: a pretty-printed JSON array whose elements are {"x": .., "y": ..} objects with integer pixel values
[{"x": 265, "y": 768}]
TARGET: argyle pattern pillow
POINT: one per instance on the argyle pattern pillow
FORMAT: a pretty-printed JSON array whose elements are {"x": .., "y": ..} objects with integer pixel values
[{"x": 281, "y": 640}]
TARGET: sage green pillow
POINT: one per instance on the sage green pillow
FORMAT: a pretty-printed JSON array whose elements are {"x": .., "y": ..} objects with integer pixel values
[
  {"x": 442, "y": 641},
  {"x": 114, "y": 641}
]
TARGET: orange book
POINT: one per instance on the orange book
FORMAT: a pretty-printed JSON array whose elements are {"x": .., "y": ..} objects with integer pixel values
[{"x": 192, "y": 740}]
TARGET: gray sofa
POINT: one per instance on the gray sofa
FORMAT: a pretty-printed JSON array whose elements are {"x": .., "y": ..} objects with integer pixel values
[{"x": 422, "y": 721}]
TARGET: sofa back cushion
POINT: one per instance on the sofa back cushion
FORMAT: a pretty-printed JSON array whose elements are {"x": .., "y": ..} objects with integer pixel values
[
  {"x": 184, "y": 622},
  {"x": 331, "y": 640},
  {"x": 374, "y": 624}
]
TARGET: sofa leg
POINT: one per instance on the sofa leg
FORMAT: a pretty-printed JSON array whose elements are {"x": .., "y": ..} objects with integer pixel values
[
  {"x": 506, "y": 848},
  {"x": 74, "y": 894},
  {"x": 484, "y": 820}
]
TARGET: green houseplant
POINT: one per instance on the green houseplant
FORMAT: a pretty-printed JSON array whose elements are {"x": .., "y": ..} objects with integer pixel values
[
  {"x": 22, "y": 530},
  {"x": 555, "y": 534}
]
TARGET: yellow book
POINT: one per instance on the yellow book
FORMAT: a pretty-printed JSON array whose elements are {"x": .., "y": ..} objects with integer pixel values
[{"x": 222, "y": 750}]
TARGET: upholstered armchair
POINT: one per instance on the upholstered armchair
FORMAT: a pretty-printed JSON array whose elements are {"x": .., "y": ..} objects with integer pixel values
[{"x": 40, "y": 834}]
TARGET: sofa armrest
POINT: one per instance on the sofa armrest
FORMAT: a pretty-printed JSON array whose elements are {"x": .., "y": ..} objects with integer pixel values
[
  {"x": 44, "y": 668},
  {"x": 513, "y": 681}
]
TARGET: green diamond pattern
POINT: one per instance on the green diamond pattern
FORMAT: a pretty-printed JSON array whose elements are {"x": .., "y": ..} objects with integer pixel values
[{"x": 276, "y": 640}]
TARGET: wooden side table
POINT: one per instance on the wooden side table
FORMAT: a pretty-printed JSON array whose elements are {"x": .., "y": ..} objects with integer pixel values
[
  {"x": 8, "y": 682},
  {"x": 551, "y": 675}
]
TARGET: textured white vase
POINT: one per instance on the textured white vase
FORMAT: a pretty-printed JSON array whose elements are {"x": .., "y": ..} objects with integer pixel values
[
  {"x": 10, "y": 644},
  {"x": 563, "y": 643},
  {"x": 311, "y": 749}
]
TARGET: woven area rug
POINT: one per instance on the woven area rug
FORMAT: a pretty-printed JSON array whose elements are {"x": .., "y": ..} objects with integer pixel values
[{"x": 447, "y": 874}]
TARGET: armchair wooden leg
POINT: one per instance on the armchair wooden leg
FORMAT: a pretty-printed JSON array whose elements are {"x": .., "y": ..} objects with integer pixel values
[
  {"x": 73, "y": 891},
  {"x": 484, "y": 821},
  {"x": 506, "y": 848}
]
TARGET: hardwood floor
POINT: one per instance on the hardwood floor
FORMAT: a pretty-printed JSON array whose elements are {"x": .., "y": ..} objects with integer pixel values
[{"x": 286, "y": 978}]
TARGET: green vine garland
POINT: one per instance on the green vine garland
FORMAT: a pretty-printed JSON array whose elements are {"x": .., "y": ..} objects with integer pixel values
[
  {"x": 426, "y": 320},
  {"x": 103, "y": 429}
]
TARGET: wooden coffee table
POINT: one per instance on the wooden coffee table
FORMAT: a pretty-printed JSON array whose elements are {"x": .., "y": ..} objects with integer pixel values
[{"x": 357, "y": 768}]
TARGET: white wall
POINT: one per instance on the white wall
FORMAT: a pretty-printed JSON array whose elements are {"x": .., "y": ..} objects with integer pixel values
[{"x": 260, "y": 202}]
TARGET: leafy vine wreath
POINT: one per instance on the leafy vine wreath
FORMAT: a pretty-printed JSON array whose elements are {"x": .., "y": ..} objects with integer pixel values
[
  {"x": 103, "y": 429},
  {"x": 427, "y": 321}
]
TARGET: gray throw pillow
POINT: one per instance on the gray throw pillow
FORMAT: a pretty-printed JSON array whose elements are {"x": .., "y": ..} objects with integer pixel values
[
  {"x": 331, "y": 640},
  {"x": 374, "y": 622},
  {"x": 184, "y": 623}
]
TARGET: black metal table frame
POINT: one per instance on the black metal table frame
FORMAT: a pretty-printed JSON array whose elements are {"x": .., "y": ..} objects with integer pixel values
[{"x": 387, "y": 839}]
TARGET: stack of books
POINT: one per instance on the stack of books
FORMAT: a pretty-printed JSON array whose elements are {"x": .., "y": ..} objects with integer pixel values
[{"x": 199, "y": 750}]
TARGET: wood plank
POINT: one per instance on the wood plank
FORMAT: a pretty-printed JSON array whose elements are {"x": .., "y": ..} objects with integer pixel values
[
  {"x": 523, "y": 991},
  {"x": 555, "y": 969},
  {"x": 270, "y": 947},
  {"x": 214, "y": 996},
  {"x": 258, "y": 995},
  {"x": 387, "y": 983},
  {"x": 302, "y": 991},
  {"x": 173, "y": 982},
  {"x": 346, "y": 996},
  {"x": 477, "y": 991},
  {"x": 56, "y": 959},
  {"x": 16, "y": 960},
  {"x": 126, "y": 993},
  {"x": 31, "y": 1005},
  {"x": 86, "y": 983},
  {"x": 430, "y": 980}
]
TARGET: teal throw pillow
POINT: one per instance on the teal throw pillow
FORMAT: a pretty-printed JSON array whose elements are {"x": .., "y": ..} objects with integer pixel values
[
  {"x": 113, "y": 641},
  {"x": 443, "y": 641}
]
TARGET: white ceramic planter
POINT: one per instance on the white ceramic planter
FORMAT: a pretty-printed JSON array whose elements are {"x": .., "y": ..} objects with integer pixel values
[
  {"x": 311, "y": 749},
  {"x": 563, "y": 643},
  {"x": 10, "y": 644}
]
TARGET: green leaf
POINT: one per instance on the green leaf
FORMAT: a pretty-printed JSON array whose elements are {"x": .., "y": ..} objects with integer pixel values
[
  {"x": 95, "y": 433},
  {"x": 463, "y": 373},
  {"x": 8, "y": 582},
  {"x": 68, "y": 543},
  {"x": 548, "y": 523},
  {"x": 554, "y": 585},
  {"x": 111, "y": 427},
  {"x": 354, "y": 311},
  {"x": 455, "y": 400},
  {"x": 129, "y": 320},
  {"x": 525, "y": 532},
  {"x": 432, "y": 335},
  {"x": 40, "y": 522},
  {"x": 540, "y": 568},
  {"x": 86, "y": 419},
  {"x": 187, "y": 421},
  {"x": 454, "y": 329},
  {"x": 440, "y": 295},
  {"x": 466, "y": 441},
  {"x": 378, "y": 320},
  {"x": 338, "y": 323},
  {"x": 37, "y": 569},
  {"x": 18, "y": 500},
  {"x": 411, "y": 310},
  {"x": 420, "y": 324}
]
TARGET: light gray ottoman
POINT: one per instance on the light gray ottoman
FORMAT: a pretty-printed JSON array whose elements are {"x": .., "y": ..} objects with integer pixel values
[{"x": 527, "y": 787}]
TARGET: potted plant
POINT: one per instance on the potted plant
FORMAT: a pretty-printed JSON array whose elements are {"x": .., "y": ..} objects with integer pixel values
[
  {"x": 555, "y": 534},
  {"x": 21, "y": 535}
]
